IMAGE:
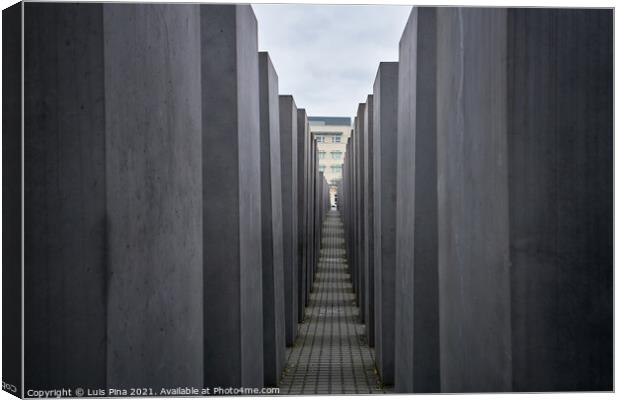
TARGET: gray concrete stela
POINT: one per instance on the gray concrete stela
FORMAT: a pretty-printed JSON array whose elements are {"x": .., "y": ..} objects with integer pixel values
[{"x": 331, "y": 354}]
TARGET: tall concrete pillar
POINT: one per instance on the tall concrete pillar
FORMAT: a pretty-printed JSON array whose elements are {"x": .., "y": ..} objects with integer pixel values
[
  {"x": 385, "y": 102},
  {"x": 153, "y": 204},
  {"x": 311, "y": 181},
  {"x": 524, "y": 138},
  {"x": 113, "y": 196},
  {"x": 327, "y": 197},
  {"x": 353, "y": 209},
  {"x": 317, "y": 208},
  {"x": 312, "y": 189},
  {"x": 65, "y": 267},
  {"x": 271, "y": 214},
  {"x": 288, "y": 158},
  {"x": 361, "y": 239},
  {"x": 350, "y": 204},
  {"x": 317, "y": 212},
  {"x": 344, "y": 200},
  {"x": 560, "y": 165},
  {"x": 303, "y": 144},
  {"x": 369, "y": 193},
  {"x": 12, "y": 186},
  {"x": 417, "y": 301},
  {"x": 356, "y": 216},
  {"x": 231, "y": 197},
  {"x": 472, "y": 171}
]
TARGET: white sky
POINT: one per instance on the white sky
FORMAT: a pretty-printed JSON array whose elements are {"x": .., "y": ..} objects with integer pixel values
[{"x": 327, "y": 56}]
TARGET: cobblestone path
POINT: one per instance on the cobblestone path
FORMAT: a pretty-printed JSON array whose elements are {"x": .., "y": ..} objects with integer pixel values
[{"x": 330, "y": 354}]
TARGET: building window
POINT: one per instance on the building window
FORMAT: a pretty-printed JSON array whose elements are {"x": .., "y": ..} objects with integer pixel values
[
  {"x": 336, "y": 139},
  {"x": 319, "y": 139},
  {"x": 336, "y": 155},
  {"x": 336, "y": 169},
  {"x": 321, "y": 155},
  {"x": 321, "y": 168}
]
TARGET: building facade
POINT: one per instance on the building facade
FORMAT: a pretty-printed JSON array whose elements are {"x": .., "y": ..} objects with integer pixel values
[{"x": 331, "y": 134}]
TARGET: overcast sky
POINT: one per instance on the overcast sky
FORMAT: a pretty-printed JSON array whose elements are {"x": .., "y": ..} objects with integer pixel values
[{"x": 327, "y": 56}]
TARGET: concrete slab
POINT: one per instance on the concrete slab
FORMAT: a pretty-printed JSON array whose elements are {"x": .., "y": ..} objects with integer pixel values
[
  {"x": 472, "y": 171},
  {"x": 368, "y": 221},
  {"x": 360, "y": 240},
  {"x": 352, "y": 234},
  {"x": 317, "y": 212},
  {"x": 153, "y": 195},
  {"x": 303, "y": 144},
  {"x": 271, "y": 216},
  {"x": 560, "y": 163},
  {"x": 288, "y": 158},
  {"x": 417, "y": 308},
  {"x": 64, "y": 195},
  {"x": 231, "y": 197},
  {"x": 528, "y": 140},
  {"x": 311, "y": 181},
  {"x": 12, "y": 186},
  {"x": 355, "y": 211},
  {"x": 385, "y": 102}
]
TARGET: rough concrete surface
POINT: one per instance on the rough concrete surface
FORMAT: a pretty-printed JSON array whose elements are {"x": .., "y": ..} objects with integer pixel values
[
  {"x": 472, "y": 173},
  {"x": 271, "y": 214},
  {"x": 153, "y": 195},
  {"x": 560, "y": 140},
  {"x": 417, "y": 312},
  {"x": 12, "y": 226},
  {"x": 302, "y": 200},
  {"x": 310, "y": 210},
  {"x": 361, "y": 208},
  {"x": 231, "y": 197},
  {"x": 368, "y": 221},
  {"x": 288, "y": 158},
  {"x": 65, "y": 221},
  {"x": 385, "y": 102}
]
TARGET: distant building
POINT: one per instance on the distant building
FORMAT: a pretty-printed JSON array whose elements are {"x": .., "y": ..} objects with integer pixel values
[{"x": 331, "y": 134}]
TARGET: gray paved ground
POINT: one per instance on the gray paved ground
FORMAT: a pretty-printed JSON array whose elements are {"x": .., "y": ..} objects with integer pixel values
[{"x": 330, "y": 354}]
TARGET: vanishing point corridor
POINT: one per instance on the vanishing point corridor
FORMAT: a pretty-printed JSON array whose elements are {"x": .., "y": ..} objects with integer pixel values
[{"x": 330, "y": 355}]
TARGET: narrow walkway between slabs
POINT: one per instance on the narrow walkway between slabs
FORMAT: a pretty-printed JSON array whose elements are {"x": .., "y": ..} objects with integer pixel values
[{"x": 330, "y": 354}]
